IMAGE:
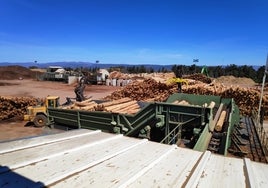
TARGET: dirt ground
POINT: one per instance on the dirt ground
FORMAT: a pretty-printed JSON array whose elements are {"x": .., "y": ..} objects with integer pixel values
[{"x": 15, "y": 129}]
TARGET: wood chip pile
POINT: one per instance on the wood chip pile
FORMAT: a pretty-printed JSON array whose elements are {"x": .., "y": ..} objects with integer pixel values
[
  {"x": 123, "y": 106},
  {"x": 15, "y": 106}
]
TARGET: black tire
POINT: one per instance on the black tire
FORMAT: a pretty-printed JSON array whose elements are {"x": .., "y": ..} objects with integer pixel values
[{"x": 40, "y": 120}]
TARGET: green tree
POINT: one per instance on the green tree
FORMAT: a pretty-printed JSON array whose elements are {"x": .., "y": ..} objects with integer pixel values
[{"x": 260, "y": 74}]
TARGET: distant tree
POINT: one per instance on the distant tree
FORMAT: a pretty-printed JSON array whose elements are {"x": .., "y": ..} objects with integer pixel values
[
  {"x": 33, "y": 67},
  {"x": 232, "y": 70},
  {"x": 260, "y": 74},
  {"x": 142, "y": 69},
  {"x": 192, "y": 69},
  {"x": 247, "y": 71},
  {"x": 216, "y": 72},
  {"x": 174, "y": 68},
  {"x": 151, "y": 70},
  {"x": 164, "y": 70}
]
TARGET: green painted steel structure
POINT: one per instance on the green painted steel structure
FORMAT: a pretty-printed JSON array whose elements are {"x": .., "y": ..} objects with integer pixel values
[{"x": 191, "y": 125}]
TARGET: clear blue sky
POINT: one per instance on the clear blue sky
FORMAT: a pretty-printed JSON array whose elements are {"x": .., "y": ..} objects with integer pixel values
[{"x": 217, "y": 32}]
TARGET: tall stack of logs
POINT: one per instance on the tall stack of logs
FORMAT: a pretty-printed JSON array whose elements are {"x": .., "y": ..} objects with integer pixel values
[
  {"x": 15, "y": 106},
  {"x": 147, "y": 90},
  {"x": 246, "y": 99}
]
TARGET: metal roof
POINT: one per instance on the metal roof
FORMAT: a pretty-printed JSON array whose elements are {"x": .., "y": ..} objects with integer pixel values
[{"x": 84, "y": 158}]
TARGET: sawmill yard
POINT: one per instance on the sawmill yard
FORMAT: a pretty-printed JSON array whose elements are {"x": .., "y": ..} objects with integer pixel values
[{"x": 18, "y": 86}]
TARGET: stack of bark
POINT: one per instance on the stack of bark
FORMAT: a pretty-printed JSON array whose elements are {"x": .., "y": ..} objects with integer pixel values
[
  {"x": 15, "y": 106},
  {"x": 123, "y": 106}
]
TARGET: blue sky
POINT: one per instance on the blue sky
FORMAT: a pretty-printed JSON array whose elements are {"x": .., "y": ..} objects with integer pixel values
[{"x": 217, "y": 32}]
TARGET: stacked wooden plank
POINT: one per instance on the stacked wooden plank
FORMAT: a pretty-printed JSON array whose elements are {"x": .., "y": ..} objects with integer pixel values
[
  {"x": 15, "y": 106},
  {"x": 124, "y": 105}
]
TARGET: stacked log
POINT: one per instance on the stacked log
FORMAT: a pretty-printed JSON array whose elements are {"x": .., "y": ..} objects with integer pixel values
[
  {"x": 149, "y": 89},
  {"x": 15, "y": 106},
  {"x": 123, "y": 106},
  {"x": 200, "y": 77},
  {"x": 125, "y": 99},
  {"x": 87, "y": 105},
  {"x": 247, "y": 99}
]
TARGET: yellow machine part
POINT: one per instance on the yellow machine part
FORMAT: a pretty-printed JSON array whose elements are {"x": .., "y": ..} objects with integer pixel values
[
  {"x": 177, "y": 80},
  {"x": 32, "y": 111}
]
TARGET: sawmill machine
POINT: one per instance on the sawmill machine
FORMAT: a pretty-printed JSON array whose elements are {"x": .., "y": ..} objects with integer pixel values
[{"x": 205, "y": 122}]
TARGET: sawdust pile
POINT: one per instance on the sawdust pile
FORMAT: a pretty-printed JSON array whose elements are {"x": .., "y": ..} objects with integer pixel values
[{"x": 231, "y": 80}]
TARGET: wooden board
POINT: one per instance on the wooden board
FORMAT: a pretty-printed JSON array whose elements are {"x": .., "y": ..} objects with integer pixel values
[{"x": 27, "y": 143}]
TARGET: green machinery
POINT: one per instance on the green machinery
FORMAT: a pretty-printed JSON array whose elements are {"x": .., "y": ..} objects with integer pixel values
[
  {"x": 189, "y": 126},
  {"x": 205, "y": 71}
]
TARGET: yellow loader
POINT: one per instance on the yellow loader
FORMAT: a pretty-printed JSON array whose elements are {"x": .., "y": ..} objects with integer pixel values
[{"x": 38, "y": 114}]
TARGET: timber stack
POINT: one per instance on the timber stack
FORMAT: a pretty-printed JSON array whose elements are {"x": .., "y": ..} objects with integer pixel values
[
  {"x": 150, "y": 90},
  {"x": 123, "y": 106},
  {"x": 147, "y": 90},
  {"x": 15, "y": 106}
]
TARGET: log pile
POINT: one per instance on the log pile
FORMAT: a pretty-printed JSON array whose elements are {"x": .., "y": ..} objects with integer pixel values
[
  {"x": 246, "y": 99},
  {"x": 147, "y": 90},
  {"x": 123, "y": 106},
  {"x": 125, "y": 99},
  {"x": 199, "y": 77},
  {"x": 15, "y": 106}
]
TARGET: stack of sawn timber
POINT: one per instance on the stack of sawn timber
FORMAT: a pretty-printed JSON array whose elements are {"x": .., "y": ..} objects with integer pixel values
[
  {"x": 123, "y": 106},
  {"x": 15, "y": 106}
]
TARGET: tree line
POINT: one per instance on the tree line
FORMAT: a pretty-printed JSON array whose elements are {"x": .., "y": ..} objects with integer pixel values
[{"x": 255, "y": 74}]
